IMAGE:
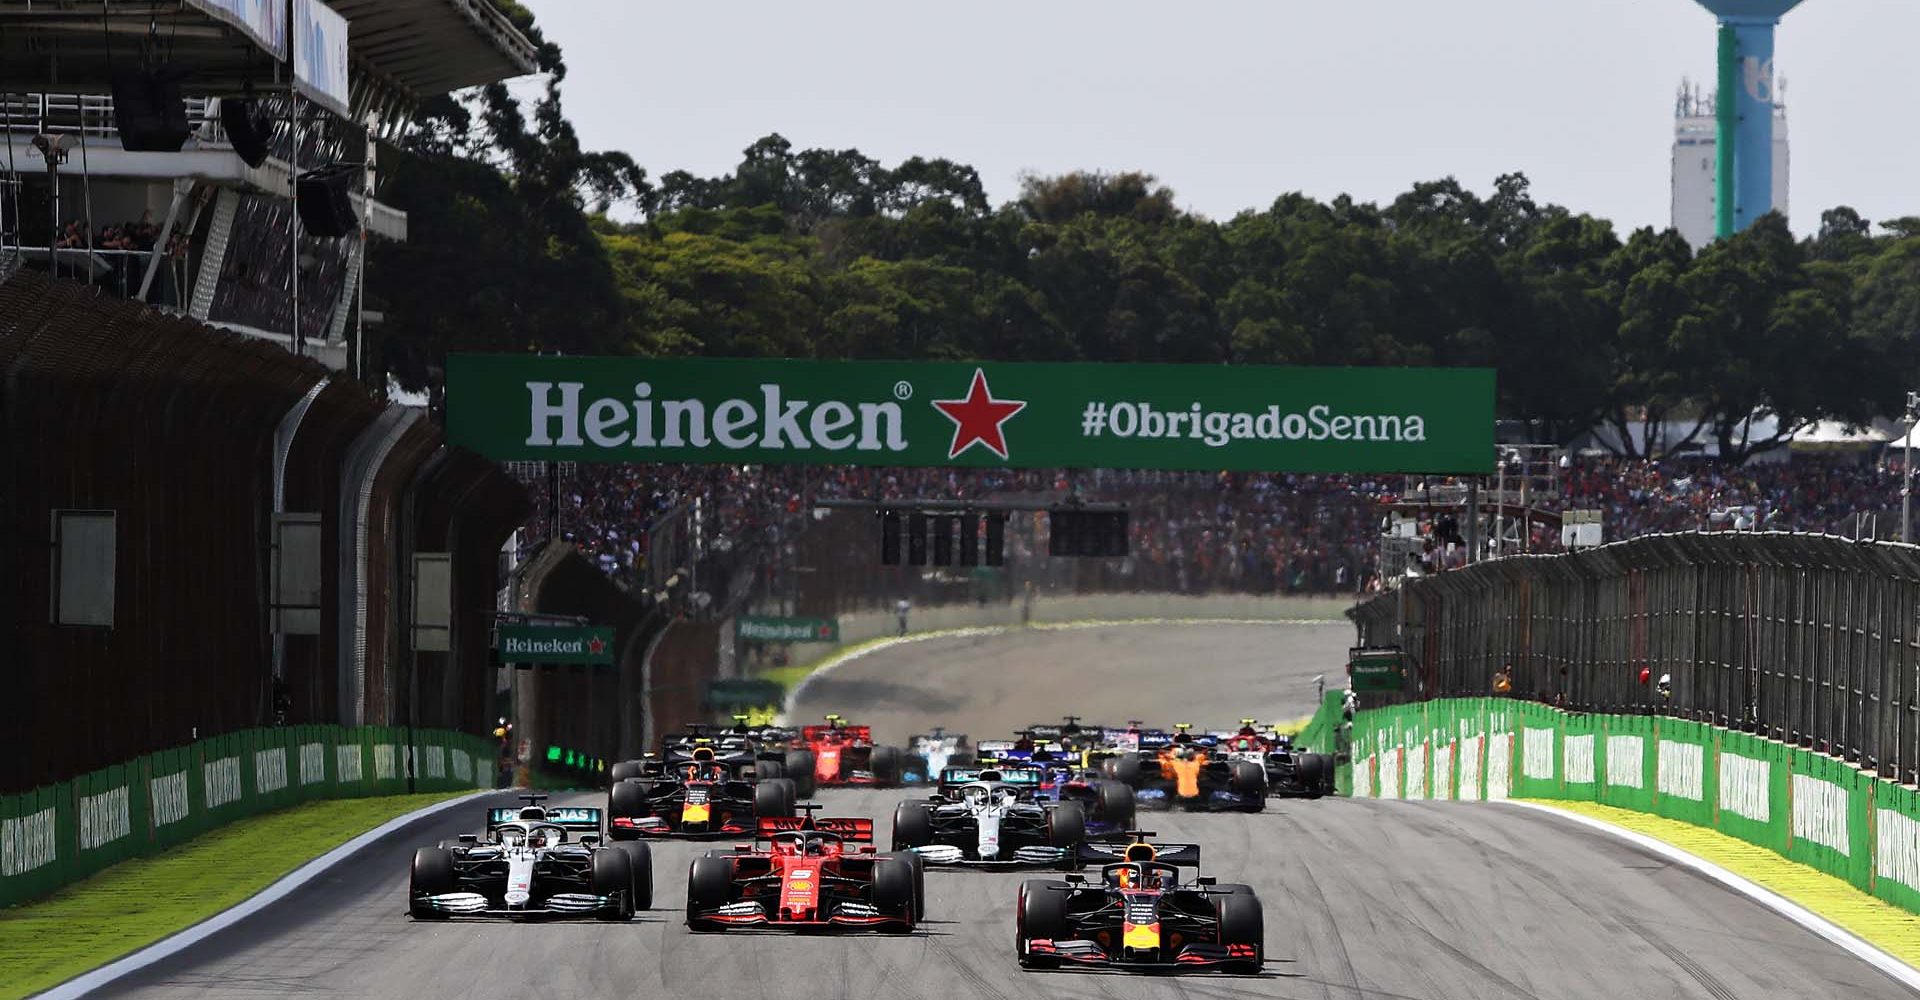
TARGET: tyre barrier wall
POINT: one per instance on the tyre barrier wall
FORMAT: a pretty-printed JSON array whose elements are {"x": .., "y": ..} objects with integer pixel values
[
  {"x": 62, "y": 833},
  {"x": 1808, "y": 807}
]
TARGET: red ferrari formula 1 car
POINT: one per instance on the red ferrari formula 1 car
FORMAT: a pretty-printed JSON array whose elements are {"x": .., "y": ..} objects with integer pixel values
[
  {"x": 845, "y": 755},
  {"x": 804, "y": 873}
]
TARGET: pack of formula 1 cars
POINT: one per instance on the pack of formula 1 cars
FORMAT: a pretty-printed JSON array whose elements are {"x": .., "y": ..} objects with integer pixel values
[{"x": 1057, "y": 798}]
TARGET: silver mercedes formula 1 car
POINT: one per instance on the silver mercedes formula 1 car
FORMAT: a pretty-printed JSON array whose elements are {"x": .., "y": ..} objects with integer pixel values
[
  {"x": 990, "y": 818},
  {"x": 533, "y": 862}
]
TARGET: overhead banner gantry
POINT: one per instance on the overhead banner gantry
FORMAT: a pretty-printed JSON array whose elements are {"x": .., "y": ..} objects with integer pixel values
[{"x": 1015, "y": 415}]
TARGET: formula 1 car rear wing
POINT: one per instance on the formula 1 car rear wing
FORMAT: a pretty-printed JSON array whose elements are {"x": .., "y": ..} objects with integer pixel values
[
  {"x": 854, "y": 830},
  {"x": 565, "y": 817},
  {"x": 1011, "y": 775},
  {"x": 1113, "y": 852}
]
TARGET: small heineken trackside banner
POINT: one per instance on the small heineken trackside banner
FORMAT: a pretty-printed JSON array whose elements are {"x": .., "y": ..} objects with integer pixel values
[
  {"x": 517, "y": 407},
  {"x": 766, "y": 629},
  {"x": 555, "y": 644}
]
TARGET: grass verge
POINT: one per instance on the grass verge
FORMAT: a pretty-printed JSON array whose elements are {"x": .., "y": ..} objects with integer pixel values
[
  {"x": 1873, "y": 920},
  {"x": 135, "y": 903},
  {"x": 792, "y": 674}
]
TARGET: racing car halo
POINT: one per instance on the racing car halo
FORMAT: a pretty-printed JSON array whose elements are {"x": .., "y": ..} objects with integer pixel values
[
  {"x": 990, "y": 818},
  {"x": 1140, "y": 914},
  {"x": 807, "y": 873},
  {"x": 526, "y": 866}
]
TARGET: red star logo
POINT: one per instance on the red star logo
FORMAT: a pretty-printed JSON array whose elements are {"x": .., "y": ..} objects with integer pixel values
[
  {"x": 978, "y": 419},
  {"x": 595, "y": 645}
]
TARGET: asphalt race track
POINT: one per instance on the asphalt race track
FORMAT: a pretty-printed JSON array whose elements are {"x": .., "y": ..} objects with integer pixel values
[
  {"x": 1363, "y": 898},
  {"x": 1211, "y": 675}
]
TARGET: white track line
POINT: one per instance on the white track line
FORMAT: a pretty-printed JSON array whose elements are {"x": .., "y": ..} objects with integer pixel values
[
  {"x": 856, "y": 653},
  {"x": 165, "y": 947},
  {"x": 1862, "y": 949},
  {"x": 835, "y": 660}
]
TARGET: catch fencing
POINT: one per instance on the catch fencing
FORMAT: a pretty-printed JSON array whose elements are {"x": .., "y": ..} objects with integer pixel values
[
  {"x": 1809, "y": 640},
  {"x": 62, "y": 833},
  {"x": 1809, "y": 807}
]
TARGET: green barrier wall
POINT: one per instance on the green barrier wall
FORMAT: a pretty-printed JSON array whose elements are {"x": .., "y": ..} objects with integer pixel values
[
  {"x": 1814, "y": 809},
  {"x": 52, "y": 836}
]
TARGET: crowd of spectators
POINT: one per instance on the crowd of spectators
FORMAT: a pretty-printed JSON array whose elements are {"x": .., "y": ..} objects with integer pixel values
[
  {"x": 1197, "y": 532},
  {"x": 1809, "y": 493},
  {"x": 142, "y": 235},
  {"x": 123, "y": 270}
]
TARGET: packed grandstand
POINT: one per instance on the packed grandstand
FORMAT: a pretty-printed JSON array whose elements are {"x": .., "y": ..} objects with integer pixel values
[{"x": 1234, "y": 532}]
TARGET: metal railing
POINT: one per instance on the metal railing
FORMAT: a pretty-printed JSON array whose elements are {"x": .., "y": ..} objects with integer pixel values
[
  {"x": 1809, "y": 639},
  {"x": 120, "y": 272},
  {"x": 81, "y": 114}
]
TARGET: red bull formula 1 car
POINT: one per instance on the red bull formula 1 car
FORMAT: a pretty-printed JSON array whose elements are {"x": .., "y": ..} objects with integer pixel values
[
  {"x": 697, "y": 795},
  {"x": 807, "y": 873},
  {"x": 1139, "y": 914},
  {"x": 845, "y": 755}
]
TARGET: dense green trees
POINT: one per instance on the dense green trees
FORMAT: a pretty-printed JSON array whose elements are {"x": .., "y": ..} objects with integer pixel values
[{"x": 829, "y": 253}]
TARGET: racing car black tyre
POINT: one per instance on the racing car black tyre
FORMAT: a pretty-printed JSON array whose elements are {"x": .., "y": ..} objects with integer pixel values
[
  {"x": 888, "y": 764},
  {"x": 626, "y": 799},
  {"x": 626, "y": 769},
  {"x": 432, "y": 875},
  {"x": 640, "y": 856},
  {"x": 800, "y": 768},
  {"x": 613, "y": 874},
  {"x": 773, "y": 797},
  {"x": 893, "y": 889},
  {"x": 1067, "y": 827},
  {"x": 1116, "y": 804},
  {"x": 1249, "y": 780},
  {"x": 912, "y": 826},
  {"x": 919, "y": 866},
  {"x": 764, "y": 770},
  {"x": 709, "y": 887},
  {"x": 1042, "y": 914},
  {"x": 1316, "y": 774},
  {"x": 1127, "y": 769},
  {"x": 1241, "y": 922}
]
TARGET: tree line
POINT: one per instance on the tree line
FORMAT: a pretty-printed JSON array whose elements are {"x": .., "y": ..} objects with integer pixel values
[{"x": 819, "y": 253}]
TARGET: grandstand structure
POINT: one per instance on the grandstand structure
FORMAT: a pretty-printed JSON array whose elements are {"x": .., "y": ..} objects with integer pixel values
[
  {"x": 204, "y": 232},
  {"x": 241, "y": 537}
]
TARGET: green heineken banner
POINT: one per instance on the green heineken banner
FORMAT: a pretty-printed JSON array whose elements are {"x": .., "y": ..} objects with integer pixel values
[
  {"x": 1209, "y": 417},
  {"x": 766, "y": 629},
  {"x": 556, "y": 644},
  {"x": 1382, "y": 669}
]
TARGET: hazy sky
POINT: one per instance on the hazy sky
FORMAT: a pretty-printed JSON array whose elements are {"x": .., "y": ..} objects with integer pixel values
[{"x": 1232, "y": 103}]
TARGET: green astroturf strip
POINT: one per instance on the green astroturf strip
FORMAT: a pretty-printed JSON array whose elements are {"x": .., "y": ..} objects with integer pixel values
[{"x": 135, "y": 903}]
